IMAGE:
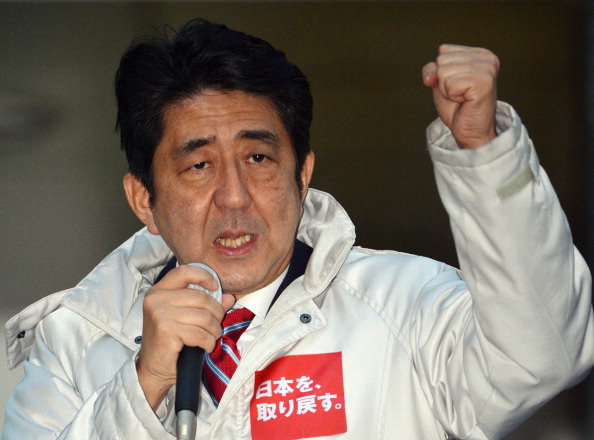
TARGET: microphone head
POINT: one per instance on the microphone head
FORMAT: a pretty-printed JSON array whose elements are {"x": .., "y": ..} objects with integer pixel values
[{"x": 216, "y": 294}]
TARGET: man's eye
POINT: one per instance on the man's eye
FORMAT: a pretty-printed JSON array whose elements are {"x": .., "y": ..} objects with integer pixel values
[
  {"x": 257, "y": 158},
  {"x": 200, "y": 166}
]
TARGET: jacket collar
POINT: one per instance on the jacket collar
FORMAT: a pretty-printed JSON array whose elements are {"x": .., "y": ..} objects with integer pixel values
[{"x": 327, "y": 228}]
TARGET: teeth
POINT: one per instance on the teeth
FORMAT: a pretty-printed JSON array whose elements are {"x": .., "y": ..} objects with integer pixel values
[{"x": 234, "y": 242}]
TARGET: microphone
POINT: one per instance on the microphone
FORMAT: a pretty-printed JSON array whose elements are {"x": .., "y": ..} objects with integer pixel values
[{"x": 189, "y": 374}]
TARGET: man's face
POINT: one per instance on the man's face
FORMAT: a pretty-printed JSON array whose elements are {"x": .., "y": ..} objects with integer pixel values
[{"x": 225, "y": 189}]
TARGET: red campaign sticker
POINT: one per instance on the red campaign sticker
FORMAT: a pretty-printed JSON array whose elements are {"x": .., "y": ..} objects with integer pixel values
[{"x": 299, "y": 396}]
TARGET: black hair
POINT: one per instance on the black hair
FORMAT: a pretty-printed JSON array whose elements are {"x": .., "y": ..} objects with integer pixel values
[{"x": 157, "y": 72}]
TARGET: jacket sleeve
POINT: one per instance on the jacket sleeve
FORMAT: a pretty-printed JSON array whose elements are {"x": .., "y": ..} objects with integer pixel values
[
  {"x": 48, "y": 405},
  {"x": 518, "y": 329}
]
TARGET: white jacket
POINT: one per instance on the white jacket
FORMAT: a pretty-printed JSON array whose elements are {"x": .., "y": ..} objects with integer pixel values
[{"x": 366, "y": 345}]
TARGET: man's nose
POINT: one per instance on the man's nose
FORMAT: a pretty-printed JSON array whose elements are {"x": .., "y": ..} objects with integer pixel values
[{"x": 232, "y": 191}]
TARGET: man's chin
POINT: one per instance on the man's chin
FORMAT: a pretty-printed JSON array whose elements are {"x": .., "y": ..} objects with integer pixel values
[
  {"x": 237, "y": 284},
  {"x": 244, "y": 283}
]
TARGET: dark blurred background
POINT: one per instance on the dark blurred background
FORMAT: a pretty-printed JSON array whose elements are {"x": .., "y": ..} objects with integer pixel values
[{"x": 62, "y": 206}]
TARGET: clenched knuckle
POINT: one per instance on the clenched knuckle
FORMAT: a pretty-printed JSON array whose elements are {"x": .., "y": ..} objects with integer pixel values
[
  {"x": 149, "y": 301},
  {"x": 443, "y": 47},
  {"x": 210, "y": 343},
  {"x": 184, "y": 270},
  {"x": 441, "y": 59}
]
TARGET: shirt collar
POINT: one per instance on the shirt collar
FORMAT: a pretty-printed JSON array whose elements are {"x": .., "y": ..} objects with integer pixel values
[{"x": 259, "y": 301}]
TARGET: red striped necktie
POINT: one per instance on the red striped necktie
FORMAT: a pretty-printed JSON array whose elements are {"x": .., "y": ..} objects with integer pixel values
[{"x": 220, "y": 365}]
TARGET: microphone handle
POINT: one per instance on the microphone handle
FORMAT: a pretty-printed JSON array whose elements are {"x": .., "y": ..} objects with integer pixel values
[{"x": 187, "y": 394}]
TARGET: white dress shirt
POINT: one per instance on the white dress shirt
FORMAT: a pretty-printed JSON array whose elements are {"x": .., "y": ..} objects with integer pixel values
[{"x": 259, "y": 303}]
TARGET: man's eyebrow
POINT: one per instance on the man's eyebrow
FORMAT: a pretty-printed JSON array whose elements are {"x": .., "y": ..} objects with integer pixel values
[
  {"x": 260, "y": 135},
  {"x": 191, "y": 145}
]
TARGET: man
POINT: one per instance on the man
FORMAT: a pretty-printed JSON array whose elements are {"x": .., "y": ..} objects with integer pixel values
[{"x": 345, "y": 342}]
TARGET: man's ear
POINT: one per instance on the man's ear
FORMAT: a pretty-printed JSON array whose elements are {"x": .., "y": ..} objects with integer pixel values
[
  {"x": 306, "y": 173},
  {"x": 139, "y": 200}
]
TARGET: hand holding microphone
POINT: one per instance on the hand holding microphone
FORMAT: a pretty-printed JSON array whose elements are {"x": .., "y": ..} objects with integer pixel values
[
  {"x": 176, "y": 315},
  {"x": 189, "y": 373}
]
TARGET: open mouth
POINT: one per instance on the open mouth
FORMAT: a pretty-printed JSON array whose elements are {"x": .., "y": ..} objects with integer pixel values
[{"x": 234, "y": 242}]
